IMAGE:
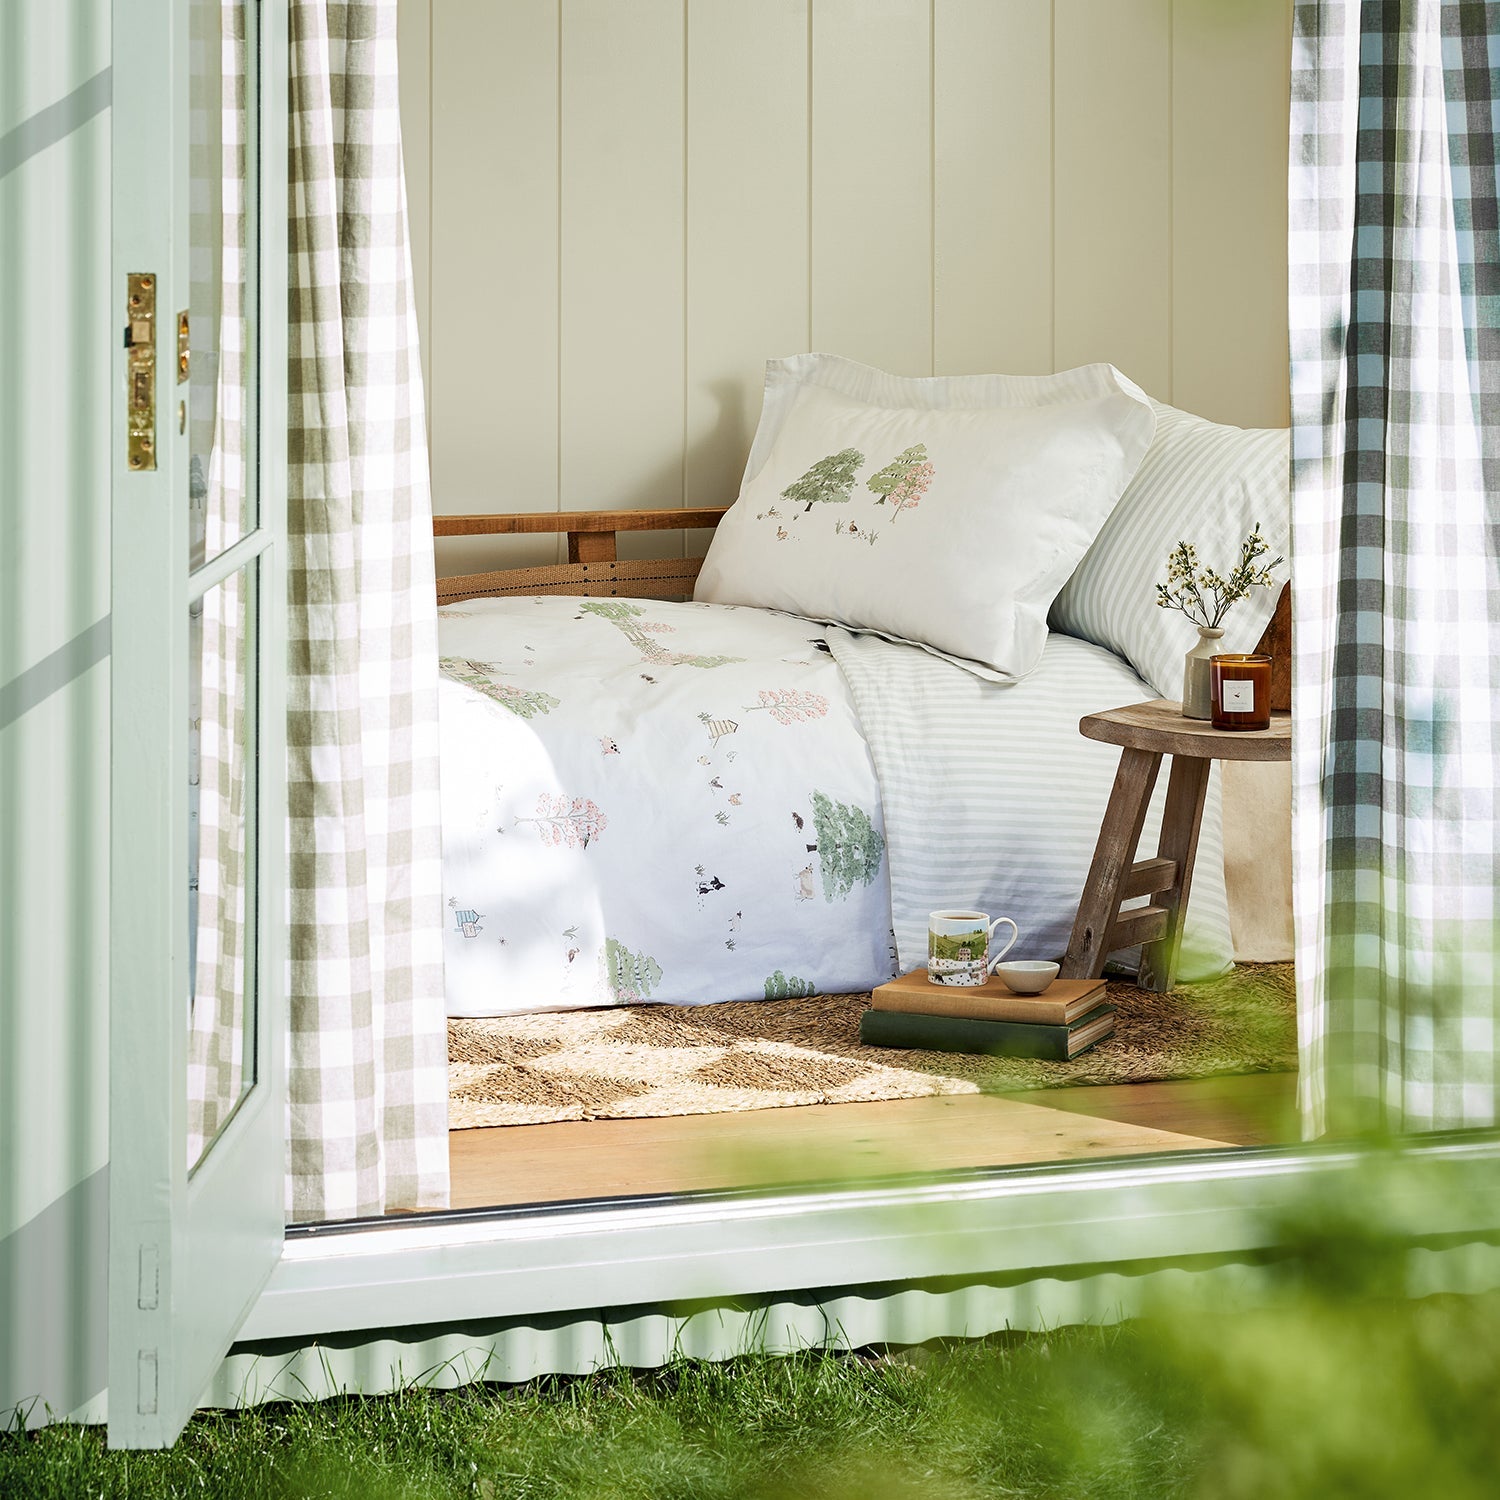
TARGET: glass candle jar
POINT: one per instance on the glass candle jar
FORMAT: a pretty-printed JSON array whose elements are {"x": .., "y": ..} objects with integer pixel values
[{"x": 1241, "y": 688}]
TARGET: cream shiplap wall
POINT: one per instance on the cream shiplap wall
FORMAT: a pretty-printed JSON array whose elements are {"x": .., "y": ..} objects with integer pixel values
[{"x": 622, "y": 208}]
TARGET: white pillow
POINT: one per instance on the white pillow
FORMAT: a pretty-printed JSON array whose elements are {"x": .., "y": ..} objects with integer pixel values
[
  {"x": 946, "y": 512},
  {"x": 1203, "y": 483}
]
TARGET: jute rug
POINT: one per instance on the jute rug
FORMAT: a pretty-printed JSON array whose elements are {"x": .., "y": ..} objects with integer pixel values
[{"x": 689, "y": 1060}]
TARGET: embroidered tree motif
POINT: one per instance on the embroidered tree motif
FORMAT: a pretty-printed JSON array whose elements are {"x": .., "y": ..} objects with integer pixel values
[
  {"x": 788, "y": 987},
  {"x": 567, "y": 823},
  {"x": 626, "y": 618},
  {"x": 830, "y": 481},
  {"x": 629, "y": 977},
  {"x": 904, "y": 480},
  {"x": 475, "y": 674},
  {"x": 790, "y": 705},
  {"x": 849, "y": 846}
]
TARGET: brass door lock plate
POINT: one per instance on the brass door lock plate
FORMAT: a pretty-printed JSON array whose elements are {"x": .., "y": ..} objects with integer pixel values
[{"x": 140, "y": 372}]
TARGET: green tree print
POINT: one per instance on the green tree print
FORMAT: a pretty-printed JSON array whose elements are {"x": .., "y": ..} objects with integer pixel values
[
  {"x": 830, "y": 481},
  {"x": 904, "y": 480},
  {"x": 628, "y": 620},
  {"x": 475, "y": 674},
  {"x": 630, "y": 977},
  {"x": 788, "y": 987},
  {"x": 849, "y": 846}
]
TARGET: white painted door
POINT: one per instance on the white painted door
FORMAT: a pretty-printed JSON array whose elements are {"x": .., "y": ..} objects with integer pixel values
[{"x": 197, "y": 1030}]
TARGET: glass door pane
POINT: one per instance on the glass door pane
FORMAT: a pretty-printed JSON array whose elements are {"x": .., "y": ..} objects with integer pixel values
[
  {"x": 218, "y": 380},
  {"x": 217, "y": 375},
  {"x": 222, "y": 834}
]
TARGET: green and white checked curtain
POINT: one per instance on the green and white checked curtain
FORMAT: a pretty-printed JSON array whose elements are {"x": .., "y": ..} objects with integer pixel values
[
  {"x": 368, "y": 1061},
  {"x": 1395, "y": 339}
]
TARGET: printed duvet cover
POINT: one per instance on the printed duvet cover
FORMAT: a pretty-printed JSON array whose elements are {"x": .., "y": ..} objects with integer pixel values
[{"x": 647, "y": 801}]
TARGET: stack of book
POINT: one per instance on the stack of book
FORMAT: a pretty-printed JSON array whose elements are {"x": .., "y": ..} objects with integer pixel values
[{"x": 1068, "y": 1018}]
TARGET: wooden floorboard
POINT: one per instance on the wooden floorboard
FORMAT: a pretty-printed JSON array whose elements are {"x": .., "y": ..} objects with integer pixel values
[
  {"x": 1252, "y": 1109},
  {"x": 605, "y": 1158}
]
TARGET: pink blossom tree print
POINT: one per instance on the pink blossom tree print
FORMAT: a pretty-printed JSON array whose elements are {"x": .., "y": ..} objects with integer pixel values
[
  {"x": 563, "y": 822},
  {"x": 790, "y": 705},
  {"x": 904, "y": 480}
]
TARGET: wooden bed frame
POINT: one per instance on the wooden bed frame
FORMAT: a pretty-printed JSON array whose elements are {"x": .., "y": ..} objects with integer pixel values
[{"x": 594, "y": 568}]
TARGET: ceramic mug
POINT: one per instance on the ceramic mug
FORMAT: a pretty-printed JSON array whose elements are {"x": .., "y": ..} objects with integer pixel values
[{"x": 958, "y": 946}]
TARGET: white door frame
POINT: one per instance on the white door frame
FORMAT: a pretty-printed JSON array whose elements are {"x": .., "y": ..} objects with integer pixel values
[{"x": 447, "y": 1269}]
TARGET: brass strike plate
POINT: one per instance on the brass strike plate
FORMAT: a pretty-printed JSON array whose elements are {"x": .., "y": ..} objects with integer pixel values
[
  {"x": 140, "y": 372},
  {"x": 182, "y": 347}
]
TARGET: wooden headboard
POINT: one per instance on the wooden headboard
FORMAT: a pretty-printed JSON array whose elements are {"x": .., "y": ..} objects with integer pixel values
[{"x": 593, "y": 568}]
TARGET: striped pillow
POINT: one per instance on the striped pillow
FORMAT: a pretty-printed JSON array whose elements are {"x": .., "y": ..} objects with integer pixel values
[{"x": 1199, "y": 482}]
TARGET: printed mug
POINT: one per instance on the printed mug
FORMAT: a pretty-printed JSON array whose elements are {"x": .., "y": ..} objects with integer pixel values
[{"x": 958, "y": 946}]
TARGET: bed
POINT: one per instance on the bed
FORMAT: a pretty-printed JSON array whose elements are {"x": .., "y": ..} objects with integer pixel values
[{"x": 647, "y": 800}]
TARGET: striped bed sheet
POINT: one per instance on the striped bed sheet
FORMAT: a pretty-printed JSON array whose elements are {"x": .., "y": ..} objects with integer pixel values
[{"x": 992, "y": 799}]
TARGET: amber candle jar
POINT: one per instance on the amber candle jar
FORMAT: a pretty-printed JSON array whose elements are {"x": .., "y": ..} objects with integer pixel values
[{"x": 1241, "y": 689}]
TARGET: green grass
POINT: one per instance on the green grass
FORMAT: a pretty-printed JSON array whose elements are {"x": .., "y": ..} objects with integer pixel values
[{"x": 1334, "y": 1390}]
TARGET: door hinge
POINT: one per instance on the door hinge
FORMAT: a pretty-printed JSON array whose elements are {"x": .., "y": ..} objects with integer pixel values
[
  {"x": 182, "y": 347},
  {"x": 140, "y": 371},
  {"x": 148, "y": 1289},
  {"x": 145, "y": 1380}
]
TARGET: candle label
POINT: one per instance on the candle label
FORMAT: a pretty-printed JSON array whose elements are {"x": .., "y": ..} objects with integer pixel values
[{"x": 1237, "y": 696}]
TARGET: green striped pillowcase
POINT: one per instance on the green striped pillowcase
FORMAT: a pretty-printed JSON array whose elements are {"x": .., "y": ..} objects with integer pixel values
[{"x": 1200, "y": 482}]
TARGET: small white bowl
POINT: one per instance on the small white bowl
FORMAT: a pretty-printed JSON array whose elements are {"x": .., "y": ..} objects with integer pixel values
[{"x": 1026, "y": 977}]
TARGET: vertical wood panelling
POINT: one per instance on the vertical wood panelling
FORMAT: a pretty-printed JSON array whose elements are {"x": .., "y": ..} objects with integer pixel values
[
  {"x": 992, "y": 189},
  {"x": 872, "y": 181},
  {"x": 622, "y": 258},
  {"x": 634, "y": 205},
  {"x": 1230, "y": 99},
  {"x": 414, "y": 49},
  {"x": 495, "y": 268},
  {"x": 747, "y": 224},
  {"x": 1112, "y": 187}
]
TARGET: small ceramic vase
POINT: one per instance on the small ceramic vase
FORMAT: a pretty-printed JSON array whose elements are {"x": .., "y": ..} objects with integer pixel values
[{"x": 1197, "y": 696}]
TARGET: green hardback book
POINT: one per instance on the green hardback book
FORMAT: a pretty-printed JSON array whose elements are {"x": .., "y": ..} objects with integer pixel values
[{"x": 898, "y": 1028}]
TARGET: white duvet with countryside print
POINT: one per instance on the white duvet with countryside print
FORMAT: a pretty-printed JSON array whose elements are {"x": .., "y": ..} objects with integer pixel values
[{"x": 648, "y": 801}]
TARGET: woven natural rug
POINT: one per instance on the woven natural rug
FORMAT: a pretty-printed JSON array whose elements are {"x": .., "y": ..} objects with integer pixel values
[{"x": 763, "y": 1054}]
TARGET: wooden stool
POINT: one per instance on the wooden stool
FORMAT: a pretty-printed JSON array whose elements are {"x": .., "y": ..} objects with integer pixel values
[{"x": 1145, "y": 732}]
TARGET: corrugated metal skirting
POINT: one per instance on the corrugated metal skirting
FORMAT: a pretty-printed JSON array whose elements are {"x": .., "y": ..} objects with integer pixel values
[{"x": 642, "y": 1338}]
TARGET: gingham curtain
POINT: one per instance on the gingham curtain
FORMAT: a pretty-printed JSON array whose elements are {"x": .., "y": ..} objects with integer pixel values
[
  {"x": 368, "y": 1059},
  {"x": 1395, "y": 336},
  {"x": 219, "y": 669}
]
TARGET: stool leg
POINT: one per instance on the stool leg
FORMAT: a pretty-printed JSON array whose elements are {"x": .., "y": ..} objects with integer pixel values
[
  {"x": 1187, "y": 786},
  {"x": 1113, "y": 856}
]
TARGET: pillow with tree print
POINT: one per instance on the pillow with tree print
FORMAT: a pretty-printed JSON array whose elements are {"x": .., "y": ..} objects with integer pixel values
[{"x": 946, "y": 512}]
